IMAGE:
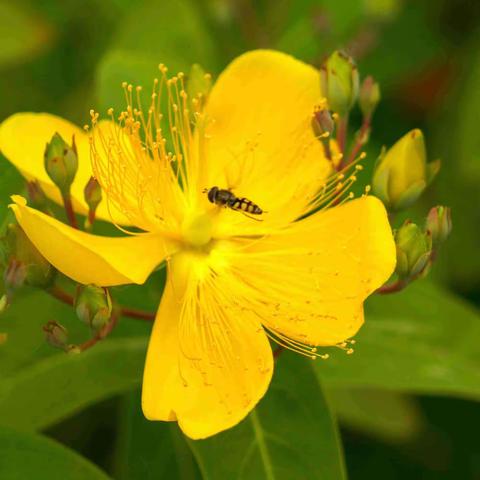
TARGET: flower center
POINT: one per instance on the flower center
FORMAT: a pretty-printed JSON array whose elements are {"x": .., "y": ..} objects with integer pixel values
[{"x": 198, "y": 230}]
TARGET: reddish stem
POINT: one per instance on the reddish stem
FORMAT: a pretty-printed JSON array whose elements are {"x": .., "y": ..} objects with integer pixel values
[
  {"x": 359, "y": 141},
  {"x": 342, "y": 133},
  {"x": 67, "y": 203},
  {"x": 101, "y": 334},
  {"x": 138, "y": 314},
  {"x": 61, "y": 295},
  {"x": 65, "y": 297},
  {"x": 393, "y": 287},
  {"x": 277, "y": 352}
]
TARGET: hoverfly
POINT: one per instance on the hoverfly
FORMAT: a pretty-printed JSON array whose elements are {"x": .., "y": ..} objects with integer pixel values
[{"x": 226, "y": 198}]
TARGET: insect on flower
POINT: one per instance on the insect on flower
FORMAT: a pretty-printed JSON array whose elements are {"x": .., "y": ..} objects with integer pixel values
[
  {"x": 227, "y": 198},
  {"x": 209, "y": 360}
]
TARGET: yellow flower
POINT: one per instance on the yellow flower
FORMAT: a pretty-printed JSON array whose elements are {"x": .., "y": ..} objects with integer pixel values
[{"x": 232, "y": 282}]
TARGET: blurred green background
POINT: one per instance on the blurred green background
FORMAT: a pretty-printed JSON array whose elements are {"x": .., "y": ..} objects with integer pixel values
[{"x": 406, "y": 401}]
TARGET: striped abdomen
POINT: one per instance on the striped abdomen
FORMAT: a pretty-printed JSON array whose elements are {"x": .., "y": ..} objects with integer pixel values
[{"x": 245, "y": 205}]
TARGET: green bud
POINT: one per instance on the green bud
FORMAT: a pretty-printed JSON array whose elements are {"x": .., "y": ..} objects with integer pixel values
[
  {"x": 56, "y": 335},
  {"x": 61, "y": 162},
  {"x": 414, "y": 248},
  {"x": 339, "y": 82},
  {"x": 26, "y": 265},
  {"x": 93, "y": 305},
  {"x": 439, "y": 224},
  {"x": 369, "y": 96},
  {"x": 402, "y": 173}
]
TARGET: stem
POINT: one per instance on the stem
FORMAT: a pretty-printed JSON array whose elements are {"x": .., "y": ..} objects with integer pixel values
[
  {"x": 61, "y": 295},
  {"x": 101, "y": 334},
  {"x": 327, "y": 149},
  {"x": 359, "y": 141},
  {"x": 68, "y": 299},
  {"x": 138, "y": 314},
  {"x": 67, "y": 203},
  {"x": 342, "y": 133},
  {"x": 277, "y": 352},
  {"x": 393, "y": 287}
]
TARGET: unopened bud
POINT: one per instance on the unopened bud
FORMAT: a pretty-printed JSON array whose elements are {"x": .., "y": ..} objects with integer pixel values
[
  {"x": 93, "y": 305},
  {"x": 61, "y": 162},
  {"x": 439, "y": 224},
  {"x": 14, "y": 276},
  {"x": 36, "y": 196},
  {"x": 339, "y": 82},
  {"x": 402, "y": 173},
  {"x": 414, "y": 248},
  {"x": 93, "y": 196},
  {"x": 92, "y": 193},
  {"x": 26, "y": 265},
  {"x": 56, "y": 335},
  {"x": 369, "y": 96}
]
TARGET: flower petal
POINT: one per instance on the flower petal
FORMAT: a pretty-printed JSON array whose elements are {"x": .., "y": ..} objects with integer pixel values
[
  {"x": 259, "y": 127},
  {"x": 87, "y": 258},
  {"x": 309, "y": 282},
  {"x": 23, "y": 137},
  {"x": 206, "y": 367}
]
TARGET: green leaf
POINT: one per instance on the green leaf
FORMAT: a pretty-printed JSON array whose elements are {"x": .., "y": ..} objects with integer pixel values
[
  {"x": 60, "y": 385},
  {"x": 422, "y": 340},
  {"x": 357, "y": 408},
  {"x": 33, "y": 456},
  {"x": 291, "y": 434},
  {"x": 150, "y": 450},
  {"x": 172, "y": 33}
]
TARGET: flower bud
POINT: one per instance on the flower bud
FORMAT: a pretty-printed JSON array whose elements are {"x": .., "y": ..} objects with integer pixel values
[
  {"x": 439, "y": 224},
  {"x": 56, "y": 335},
  {"x": 93, "y": 305},
  {"x": 36, "y": 196},
  {"x": 414, "y": 248},
  {"x": 339, "y": 82},
  {"x": 61, "y": 162},
  {"x": 93, "y": 196},
  {"x": 369, "y": 96},
  {"x": 25, "y": 264},
  {"x": 402, "y": 173},
  {"x": 92, "y": 193}
]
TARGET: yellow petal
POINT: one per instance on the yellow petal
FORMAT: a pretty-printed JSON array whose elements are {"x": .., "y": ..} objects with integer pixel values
[
  {"x": 23, "y": 137},
  {"x": 259, "y": 129},
  {"x": 309, "y": 282},
  {"x": 206, "y": 367},
  {"x": 90, "y": 258}
]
